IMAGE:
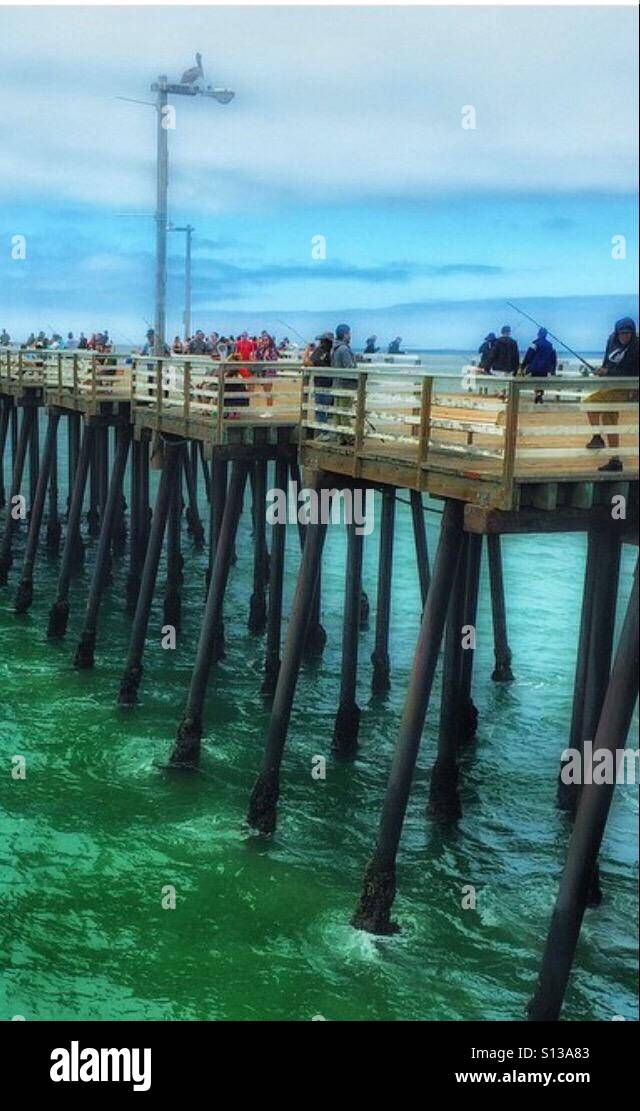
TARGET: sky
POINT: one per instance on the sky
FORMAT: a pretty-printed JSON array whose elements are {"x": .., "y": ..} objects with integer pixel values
[{"x": 347, "y": 124}]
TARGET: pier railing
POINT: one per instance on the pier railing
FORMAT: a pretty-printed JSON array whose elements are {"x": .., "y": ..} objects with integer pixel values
[
  {"x": 66, "y": 375},
  {"x": 190, "y": 393},
  {"x": 197, "y": 394},
  {"x": 479, "y": 428}
]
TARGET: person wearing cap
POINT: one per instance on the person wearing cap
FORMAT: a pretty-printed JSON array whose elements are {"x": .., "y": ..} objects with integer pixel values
[
  {"x": 321, "y": 356},
  {"x": 504, "y": 358},
  {"x": 150, "y": 345},
  {"x": 620, "y": 361},
  {"x": 540, "y": 360},
  {"x": 485, "y": 349}
]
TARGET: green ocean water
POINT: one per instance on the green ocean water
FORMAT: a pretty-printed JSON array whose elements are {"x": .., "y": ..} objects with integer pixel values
[{"x": 97, "y": 829}]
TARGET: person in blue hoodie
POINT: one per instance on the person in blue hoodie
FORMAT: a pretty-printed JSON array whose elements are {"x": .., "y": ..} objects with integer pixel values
[{"x": 540, "y": 360}]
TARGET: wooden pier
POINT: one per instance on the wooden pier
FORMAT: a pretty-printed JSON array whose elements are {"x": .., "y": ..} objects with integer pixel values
[{"x": 499, "y": 456}]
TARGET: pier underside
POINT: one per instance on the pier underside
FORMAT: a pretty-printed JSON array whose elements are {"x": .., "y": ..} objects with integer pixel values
[{"x": 497, "y": 460}]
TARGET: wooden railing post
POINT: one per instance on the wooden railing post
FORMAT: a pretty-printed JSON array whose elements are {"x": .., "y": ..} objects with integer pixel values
[
  {"x": 361, "y": 406},
  {"x": 59, "y": 376},
  {"x": 75, "y": 377},
  {"x": 159, "y": 389},
  {"x": 220, "y": 415},
  {"x": 186, "y": 386},
  {"x": 20, "y": 368},
  {"x": 94, "y": 380},
  {"x": 510, "y": 440},
  {"x": 426, "y": 395},
  {"x": 305, "y": 382}
]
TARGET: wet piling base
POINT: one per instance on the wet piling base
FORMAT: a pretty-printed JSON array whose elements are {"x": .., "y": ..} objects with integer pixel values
[
  {"x": 186, "y": 751},
  {"x": 373, "y": 913},
  {"x": 262, "y": 815}
]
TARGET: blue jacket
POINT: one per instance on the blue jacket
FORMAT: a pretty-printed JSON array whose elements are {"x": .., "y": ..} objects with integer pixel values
[{"x": 540, "y": 358}]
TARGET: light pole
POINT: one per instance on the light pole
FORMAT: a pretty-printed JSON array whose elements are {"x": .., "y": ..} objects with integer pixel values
[
  {"x": 188, "y": 229},
  {"x": 162, "y": 186},
  {"x": 188, "y": 86}
]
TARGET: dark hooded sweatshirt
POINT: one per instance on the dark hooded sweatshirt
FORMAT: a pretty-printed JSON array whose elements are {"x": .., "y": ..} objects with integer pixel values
[
  {"x": 504, "y": 357},
  {"x": 540, "y": 358},
  {"x": 622, "y": 361}
]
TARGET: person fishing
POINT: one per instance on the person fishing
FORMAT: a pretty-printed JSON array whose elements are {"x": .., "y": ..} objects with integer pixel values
[
  {"x": 321, "y": 357},
  {"x": 485, "y": 349},
  {"x": 540, "y": 360},
  {"x": 394, "y": 346},
  {"x": 370, "y": 346},
  {"x": 620, "y": 361},
  {"x": 504, "y": 357}
]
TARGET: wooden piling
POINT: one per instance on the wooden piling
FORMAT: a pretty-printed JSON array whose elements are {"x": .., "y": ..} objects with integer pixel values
[
  {"x": 444, "y": 801},
  {"x": 84, "y": 657},
  {"x": 54, "y": 528},
  {"x": 262, "y": 815},
  {"x": 6, "y": 554},
  {"x": 190, "y": 466},
  {"x": 5, "y": 415},
  {"x": 276, "y": 582},
  {"x": 502, "y": 672},
  {"x": 347, "y": 723},
  {"x": 467, "y": 712},
  {"x": 59, "y": 613},
  {"x": 24, "y": 595},
  {"x": 132, "y": 673},
  {"x": 74, "y": 435},
  {"x": 380, "y": 681},
  {"x": 93, "y": 516},
  {"x": 258, "y": 603},
  {"x": 219, "y": 480},
  {"x": 172, "y": 603},
  {"x": 34, "y": 455},
  {"x": 591, "y": 817},
  {"x": 420, "y": 541},
  {"x": 136, "y": 556},
  {"x": 567, "y": 796},
  {"x": 374, "y": 908},
  {"x": 186, "y": 751}
]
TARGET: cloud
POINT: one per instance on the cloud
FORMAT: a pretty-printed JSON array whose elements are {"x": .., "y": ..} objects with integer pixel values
[{"x": 371, "y": 107}]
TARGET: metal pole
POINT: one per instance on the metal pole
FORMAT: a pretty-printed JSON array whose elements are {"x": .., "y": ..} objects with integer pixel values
[
  {"x": 187, "y": 282},
  {"x": 162, "y": 182}
]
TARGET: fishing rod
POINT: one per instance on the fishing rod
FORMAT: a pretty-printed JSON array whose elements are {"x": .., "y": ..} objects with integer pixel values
[
  {"x": 556, "y": 338},
  {"x": 290, "y": 328}
]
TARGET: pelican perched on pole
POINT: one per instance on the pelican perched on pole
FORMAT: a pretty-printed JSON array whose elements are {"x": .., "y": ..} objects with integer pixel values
[{"x": 190, "y": 76}]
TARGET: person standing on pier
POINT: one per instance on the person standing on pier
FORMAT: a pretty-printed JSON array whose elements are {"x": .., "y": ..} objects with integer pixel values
[
  {"x": 370, "y": 346},
  {"x": 394, "y": 346},
  {"x": 504, "y": 358},
  {"x": 342, "y": 356},
  {"x": 5, "y": 338},
  {"x": 540, "y": 360},
  {"x": 620, "y": 361},
  {"x": 485, "y": 349},
  {"x": 321, "y": 357}
]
